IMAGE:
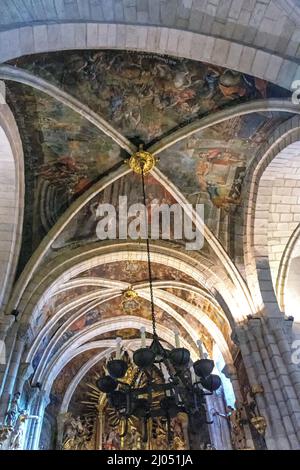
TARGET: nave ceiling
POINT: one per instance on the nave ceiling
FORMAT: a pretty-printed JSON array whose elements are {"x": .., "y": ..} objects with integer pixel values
[{"x": 75, "y": 304}]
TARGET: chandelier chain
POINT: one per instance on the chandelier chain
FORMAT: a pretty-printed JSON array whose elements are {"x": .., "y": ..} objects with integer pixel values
[{"x": 148, "y": 258}]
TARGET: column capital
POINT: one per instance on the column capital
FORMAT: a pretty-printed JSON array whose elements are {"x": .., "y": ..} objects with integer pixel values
[
  {"x": 24, "y": 332},
  {"x": 25, "y": 370},
  {"x": 229, "y": 371},
  {"x": 239, "y": 334},
  {"x": 6, "y": 322}
]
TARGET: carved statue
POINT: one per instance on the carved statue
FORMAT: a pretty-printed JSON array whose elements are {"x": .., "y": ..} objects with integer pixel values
[
  {"x": 18, "y": 431},
  {"x": 112, "y": 441},
  {"x": 13, "y": 412},
  {"x": 178, "y": 435},
  {"x": 4, "y": 434},
  {"x": 76, "y": 434},
  {"x": 250, "y": 402},
  {"x": 135, "y": 440},
  {"x": 160, "y": 442}
]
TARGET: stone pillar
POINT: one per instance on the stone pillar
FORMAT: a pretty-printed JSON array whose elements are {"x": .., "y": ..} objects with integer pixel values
[
  {"x": 31, "y": 408},
  {"x": 219, "y": 431},
  {"x": 40, "y": 403},
  {"x": 12, "y": 370},
  {"x": 6, "y": 348},
  {"x": 266, "y": 365},
  {"x": 24, "y": 372},
  {"x": 200, "y": 435},
  {"x": 230, "y": 372}
]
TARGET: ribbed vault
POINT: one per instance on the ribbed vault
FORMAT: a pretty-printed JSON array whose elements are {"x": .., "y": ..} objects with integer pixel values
[{"x": 222, "y": 135}]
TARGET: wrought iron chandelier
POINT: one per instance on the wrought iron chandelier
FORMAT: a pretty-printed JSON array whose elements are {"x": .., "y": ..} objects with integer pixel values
[{"x": 166, "y": 382}]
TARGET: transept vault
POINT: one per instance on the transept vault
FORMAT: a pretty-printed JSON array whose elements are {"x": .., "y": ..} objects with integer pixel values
[{"x": 209, "y": 95}]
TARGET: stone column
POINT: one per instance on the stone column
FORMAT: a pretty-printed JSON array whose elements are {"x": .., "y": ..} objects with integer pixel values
[
  {"x": 5, "y": 324},
  {"x": 219, "y": 430},
  {"x": 266, "y": 403},
  {"x": 266, "y": 366},
  {"x": 42, "y": 400},
  {"x": 32, "y": 409},
  {"x": 230, "y": 372},
  {"x": 12, "y": 370},
  {"x": 24, "y": 372}
]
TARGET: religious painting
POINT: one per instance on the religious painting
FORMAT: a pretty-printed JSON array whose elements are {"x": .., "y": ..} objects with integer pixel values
[
  {"x": 145, "y": 95},
  {"x": 210, "y": 166},
  {"x": 134, "y": 271},
  {"x": 82, "y": 228},
  {"x": 63, "y": 154}
]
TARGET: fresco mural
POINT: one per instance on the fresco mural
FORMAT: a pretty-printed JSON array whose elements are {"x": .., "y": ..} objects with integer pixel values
[
  {"x": 145, "y": 95},
  {"x": 209, "y": 167},
  {"x": 82, "y": 228},
  {"x": 134, "y": 272},
  {"x": 64, "y": 378},
  {"x": 114, "y": 308},
  {"x": 126, "y": 271},
  {"x": 205, "y": 306},
  {"x": 64, "y": 154}
]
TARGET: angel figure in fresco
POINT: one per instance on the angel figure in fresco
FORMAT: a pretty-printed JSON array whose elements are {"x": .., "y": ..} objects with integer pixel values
[
  {"x": 64, "y": 171},
  {"x": 220, "y": 195},
  {"x": 232, "y": 84},
  {"x": 219, "y": 157}
]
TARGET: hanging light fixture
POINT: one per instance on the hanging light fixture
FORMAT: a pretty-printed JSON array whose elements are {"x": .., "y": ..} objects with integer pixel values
[{"x": 164, "y": 383}]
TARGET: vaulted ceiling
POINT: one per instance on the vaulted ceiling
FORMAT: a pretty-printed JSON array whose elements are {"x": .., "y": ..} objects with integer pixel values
[{"x": 80, "y": 115}]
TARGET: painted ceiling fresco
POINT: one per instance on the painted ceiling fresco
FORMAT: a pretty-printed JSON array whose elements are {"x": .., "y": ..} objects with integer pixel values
[
  {"x": 207, "y": 308},
  {"x": 126, "y": 271},
  {"x": 145, "y": 96},
  {"x": 82, "y": 228},
  {"x": 64, "y": 154},
  {"x": 209, "y": 167},
  {"x": 65, "y": 377},
  {"x": 111, "y": 309},
  {"x": 134, "y": 272}
]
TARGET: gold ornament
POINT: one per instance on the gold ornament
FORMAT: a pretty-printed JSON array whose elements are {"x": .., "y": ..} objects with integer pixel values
[
  {"x": 142, "y": 160},
  {"x": 257, "y": 389},
  {"x": 260, "y": 424},
  {"x": 129, "y": 301}
]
